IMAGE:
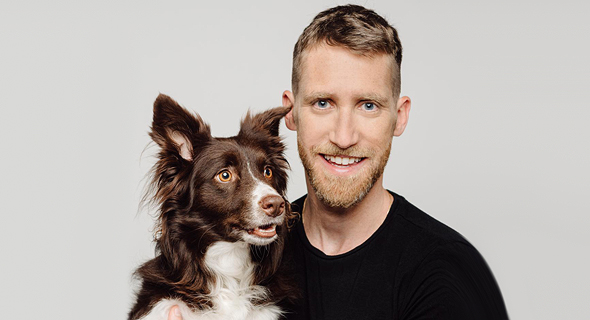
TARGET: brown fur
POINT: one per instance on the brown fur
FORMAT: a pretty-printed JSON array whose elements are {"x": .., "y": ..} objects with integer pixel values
[{"x": 195, "y": 212}]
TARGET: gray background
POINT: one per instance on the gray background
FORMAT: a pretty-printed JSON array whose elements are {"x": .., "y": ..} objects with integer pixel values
[{"x": 496, "y": 146}]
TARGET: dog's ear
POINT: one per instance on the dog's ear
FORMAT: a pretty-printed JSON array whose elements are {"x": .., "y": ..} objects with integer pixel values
[
  {"x": 262, "y": 131},
  {"x": 177, "y": 131},
  {"x": 266, "y": 122}
]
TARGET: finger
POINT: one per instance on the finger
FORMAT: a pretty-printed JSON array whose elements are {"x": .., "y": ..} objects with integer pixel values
[{"x": 174, "y": 313}]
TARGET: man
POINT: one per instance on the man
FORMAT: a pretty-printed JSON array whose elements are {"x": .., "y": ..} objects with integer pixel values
[{"x": 360, "y": 251}]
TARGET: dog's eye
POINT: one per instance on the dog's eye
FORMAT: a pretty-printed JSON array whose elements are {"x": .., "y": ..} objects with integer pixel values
[
  {"x": 224, "y": 176},
  {"x": 267, "y": 173}
]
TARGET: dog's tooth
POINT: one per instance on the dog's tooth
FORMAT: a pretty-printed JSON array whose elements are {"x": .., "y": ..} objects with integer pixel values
[{"x": 270, "y": 229}]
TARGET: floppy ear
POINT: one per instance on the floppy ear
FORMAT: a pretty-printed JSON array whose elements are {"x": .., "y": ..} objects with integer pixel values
[
  {"x": 266, "y": 122},
  {"x": 177, "y": 132}
]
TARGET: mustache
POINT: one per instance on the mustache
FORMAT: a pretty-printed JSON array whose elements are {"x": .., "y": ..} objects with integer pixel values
[{"x": 353, "y": 151}]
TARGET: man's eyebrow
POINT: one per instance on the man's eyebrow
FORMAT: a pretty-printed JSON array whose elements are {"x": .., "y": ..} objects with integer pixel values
[
  {"x": 319, "y": 95},
  {"x": 374, "y": 97},
  {"x": 316, "y": 95}
]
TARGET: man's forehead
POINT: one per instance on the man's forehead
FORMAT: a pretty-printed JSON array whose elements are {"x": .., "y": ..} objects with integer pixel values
[
  {"x": 324, "y": 58},
  {"x": 324, "y": 49}
]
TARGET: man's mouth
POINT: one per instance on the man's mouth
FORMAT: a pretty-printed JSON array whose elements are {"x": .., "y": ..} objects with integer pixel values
[
  {"x": 264, "y": 231},
  {"x": 342, "y": 160}
]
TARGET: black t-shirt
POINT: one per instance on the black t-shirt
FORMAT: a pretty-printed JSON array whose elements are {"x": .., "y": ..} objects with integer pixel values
[{"x": 412, "y": 267}]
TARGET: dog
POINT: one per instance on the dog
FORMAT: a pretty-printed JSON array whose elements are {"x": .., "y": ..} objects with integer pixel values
[{"x": 222, "y": 219}]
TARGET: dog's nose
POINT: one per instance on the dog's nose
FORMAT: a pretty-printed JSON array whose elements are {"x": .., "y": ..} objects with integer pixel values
[{"x": 273, "y": 206}]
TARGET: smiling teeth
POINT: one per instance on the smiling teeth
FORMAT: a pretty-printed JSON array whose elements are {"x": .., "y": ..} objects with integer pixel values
[{"x": 343, "y": 161}]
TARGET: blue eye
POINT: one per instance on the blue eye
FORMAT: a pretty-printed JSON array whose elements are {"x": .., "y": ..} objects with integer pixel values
[
  {"x": 322, "y": 104},
  {"x": 369, "y": 106}
]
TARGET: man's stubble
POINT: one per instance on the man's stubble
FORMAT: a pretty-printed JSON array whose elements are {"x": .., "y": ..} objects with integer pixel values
[{"x": 343, "y": 192}]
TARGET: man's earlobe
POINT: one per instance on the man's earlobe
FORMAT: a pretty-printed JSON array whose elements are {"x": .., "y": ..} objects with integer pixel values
[
  {"x": 404, "y": 105},
  {"x": 288, "y": 101}
]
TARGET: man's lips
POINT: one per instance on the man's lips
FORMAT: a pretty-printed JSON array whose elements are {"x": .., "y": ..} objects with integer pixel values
[{"x": 342, "y": 160}]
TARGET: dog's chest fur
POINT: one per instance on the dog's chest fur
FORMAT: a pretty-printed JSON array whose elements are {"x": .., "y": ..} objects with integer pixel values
[{"x": 232, "y": 293}]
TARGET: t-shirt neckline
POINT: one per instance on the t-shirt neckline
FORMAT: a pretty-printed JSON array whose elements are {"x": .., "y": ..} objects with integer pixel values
[{"x": 317, "y": 252}]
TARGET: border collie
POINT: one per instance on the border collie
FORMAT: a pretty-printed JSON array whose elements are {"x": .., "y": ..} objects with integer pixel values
[{"x": 222, "y": 219}]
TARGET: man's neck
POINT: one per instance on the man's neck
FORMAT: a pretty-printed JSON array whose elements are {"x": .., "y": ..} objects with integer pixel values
[{"x": 336, "y": 230}]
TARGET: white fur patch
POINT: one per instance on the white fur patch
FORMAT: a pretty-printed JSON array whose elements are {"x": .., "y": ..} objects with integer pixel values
[
  {"x": 261, "y": 190},
  {"x": 231, "y": 292},
  {"x": 257, "y": 217}
]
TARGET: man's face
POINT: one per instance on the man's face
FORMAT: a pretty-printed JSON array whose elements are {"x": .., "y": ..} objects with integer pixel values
[{"x": 345, "y": 116}]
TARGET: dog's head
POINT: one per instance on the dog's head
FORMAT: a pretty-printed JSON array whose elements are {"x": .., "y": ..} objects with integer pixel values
[{"x": 211, "y": 189}]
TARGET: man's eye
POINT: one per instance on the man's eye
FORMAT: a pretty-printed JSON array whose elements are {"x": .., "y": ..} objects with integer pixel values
[
  {"x": 369, "y": 106},
  {"x": 322, "y": 104}
]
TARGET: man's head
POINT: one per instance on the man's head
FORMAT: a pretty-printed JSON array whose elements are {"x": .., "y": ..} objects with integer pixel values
[{"x": 345, "y": 100}]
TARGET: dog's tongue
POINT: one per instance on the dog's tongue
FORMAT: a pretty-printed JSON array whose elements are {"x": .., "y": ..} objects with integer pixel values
[{"x": 267, "y": 232}]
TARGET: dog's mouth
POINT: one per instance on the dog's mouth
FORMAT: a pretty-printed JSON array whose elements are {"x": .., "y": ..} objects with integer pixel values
[{"x": 264, "y": 231}]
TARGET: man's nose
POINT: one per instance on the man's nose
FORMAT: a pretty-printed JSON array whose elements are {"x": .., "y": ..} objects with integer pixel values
[{"x": 344, "y": 132}]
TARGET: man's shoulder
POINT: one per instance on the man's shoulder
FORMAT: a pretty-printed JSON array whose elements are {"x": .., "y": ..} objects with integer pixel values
[
  {"x": 420, "y": 226},
  {"x": 425, "y": 243},
  {"x": 442, "y": 260}
]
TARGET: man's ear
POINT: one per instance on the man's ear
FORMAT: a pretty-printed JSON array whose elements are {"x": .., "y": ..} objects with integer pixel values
[
  {"x": 403, "y": 114},
  {"x": 176, "y": 131},
  {"x": 289, "y": 102}
]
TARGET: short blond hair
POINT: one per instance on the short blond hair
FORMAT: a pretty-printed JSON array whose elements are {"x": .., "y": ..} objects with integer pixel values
[{"x": 356, "y": 28}]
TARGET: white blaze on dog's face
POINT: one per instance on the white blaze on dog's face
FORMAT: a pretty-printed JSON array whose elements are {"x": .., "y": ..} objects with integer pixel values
[{"x": 267, "y": 211}]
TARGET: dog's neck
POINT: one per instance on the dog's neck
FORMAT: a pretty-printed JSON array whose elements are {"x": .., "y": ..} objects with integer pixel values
[
  {"x": 229, "y": 261},
  {"x": 232, "y": 269}
]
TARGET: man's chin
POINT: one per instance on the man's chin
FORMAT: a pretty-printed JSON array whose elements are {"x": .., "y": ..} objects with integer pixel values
[
  {"x": 340, "y": 202},
  {"x": 341, "y": 192},
  {"x": 349, "y": 186}
]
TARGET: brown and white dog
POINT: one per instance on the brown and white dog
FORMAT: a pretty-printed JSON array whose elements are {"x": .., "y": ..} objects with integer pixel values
[{"x": 222, "y": 219}]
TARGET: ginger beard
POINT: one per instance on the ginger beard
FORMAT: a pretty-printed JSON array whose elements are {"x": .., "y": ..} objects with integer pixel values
[{"x": 343, "y": 191}]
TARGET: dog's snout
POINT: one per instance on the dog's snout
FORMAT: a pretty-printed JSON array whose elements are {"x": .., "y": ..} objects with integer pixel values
[{"x": 272, "y": 205}]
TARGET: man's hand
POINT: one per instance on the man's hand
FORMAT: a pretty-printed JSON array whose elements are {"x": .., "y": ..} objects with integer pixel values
[{"x": 174, "y": 313}]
